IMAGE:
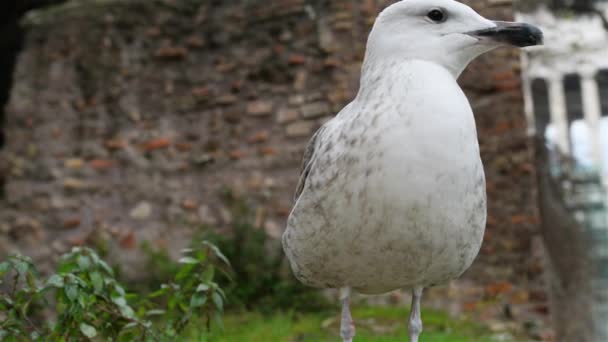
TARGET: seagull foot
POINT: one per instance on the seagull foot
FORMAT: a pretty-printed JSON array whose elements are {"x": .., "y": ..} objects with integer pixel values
[{"x": 415, "y": 330}]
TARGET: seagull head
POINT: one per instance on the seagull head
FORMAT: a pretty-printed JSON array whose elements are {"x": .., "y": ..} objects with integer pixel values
[{"x": 445, "y": 32}]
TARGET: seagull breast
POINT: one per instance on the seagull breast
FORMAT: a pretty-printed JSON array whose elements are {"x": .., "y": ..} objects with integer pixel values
[{"x": 394, "y": 190}]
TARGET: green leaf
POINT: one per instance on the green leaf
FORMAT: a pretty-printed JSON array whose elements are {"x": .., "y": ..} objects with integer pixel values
[
  {"x": 74, "y": 251},
  {"x": 66, "y": 267},
  {"x": 70, "y": 278},
  {"x": 4, "y": 268},
  {"x": 126, "y": 311},
  {"x": 83, "y": 262},
  {"x": 71, "y": 291},
  {"x": 217, "y": 252},
  {"x": 104, "y": 266},
  {"x": 120, "y": 301},
  {"x": 124, "y": 308},
  {"x": 197, "y": 300},
  {"x": 220, "y": 291},
  {"x": 88, "y": 330},
  {"x": 188, "y": 260},
  {"x": 21, "y": 266},
  {"x": 155, "y": 312},
  {"x": 130, "y": 326},
  {"x": 119, "y": 289},
  {"x": 184, "y": 271},
  {"x": 201, "y": 256},
  {"x": 170, "y": 332},
  {"x": 218, "y": 301},
  {"x": 24, "y": 308},
  {"x": 82, "y": 299},
  {"x": 159, "y": 293},
  {"x": 132, "y": 297},
  {"x": 202, "y": 287},
  {"x": 226, "y": 273},
  {"x": 96, "y": 281}
]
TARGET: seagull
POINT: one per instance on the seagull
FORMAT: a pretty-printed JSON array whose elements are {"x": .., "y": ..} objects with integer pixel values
[{"x": 392, "y": 189}]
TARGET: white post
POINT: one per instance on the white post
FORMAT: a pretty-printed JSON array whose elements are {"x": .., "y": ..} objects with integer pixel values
[
  {"x": 591, "y": 106},
  {"x": 528, "y": 98},
  {"x": 559, "y": 117}
]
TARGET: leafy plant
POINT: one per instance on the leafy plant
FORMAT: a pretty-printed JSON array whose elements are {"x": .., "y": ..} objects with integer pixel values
[
  {"x": 88, "y": 302},
  {"x": 193, "y": 290},
  {"x": 15, "y": 304}
]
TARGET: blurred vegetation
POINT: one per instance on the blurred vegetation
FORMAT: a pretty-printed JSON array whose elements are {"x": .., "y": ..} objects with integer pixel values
[
  {"x": 84, "y": 300},
  {"x": 260, "y": 276}
]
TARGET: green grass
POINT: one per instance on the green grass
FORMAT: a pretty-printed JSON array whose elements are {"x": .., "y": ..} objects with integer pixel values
[{"x": 373, "y": 324}]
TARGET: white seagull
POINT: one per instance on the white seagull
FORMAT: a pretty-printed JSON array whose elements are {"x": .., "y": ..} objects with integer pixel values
[{"x": 392, "y": 191}]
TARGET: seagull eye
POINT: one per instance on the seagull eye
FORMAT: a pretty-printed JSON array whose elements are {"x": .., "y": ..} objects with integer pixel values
[{"x": 437, "y": 15}]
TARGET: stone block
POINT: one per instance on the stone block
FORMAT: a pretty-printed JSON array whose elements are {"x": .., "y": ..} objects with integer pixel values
[
  {"x": 299, "y": 129},
  {"x": 259, "y": 108},
  {"x": 286, "y": 115},
  {"x": 315, "y": 110}
]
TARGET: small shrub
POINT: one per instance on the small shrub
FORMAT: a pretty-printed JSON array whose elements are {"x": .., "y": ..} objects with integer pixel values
[
  {"x": 193, "y": 290},
  {"x": 85, "y": 300},
  {"x": 16, "y": 303}
]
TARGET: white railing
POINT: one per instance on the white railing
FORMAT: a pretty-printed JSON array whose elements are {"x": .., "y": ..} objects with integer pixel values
[{"x": 560, "y": 131}]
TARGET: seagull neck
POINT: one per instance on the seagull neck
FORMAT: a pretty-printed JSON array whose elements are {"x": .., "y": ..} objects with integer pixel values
[
  {"x": 373, "y": 74},
  {"x": 379, "y": 75}
]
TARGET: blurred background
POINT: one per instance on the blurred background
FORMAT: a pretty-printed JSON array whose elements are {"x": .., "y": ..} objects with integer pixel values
[{"x": 136, "y": 127}]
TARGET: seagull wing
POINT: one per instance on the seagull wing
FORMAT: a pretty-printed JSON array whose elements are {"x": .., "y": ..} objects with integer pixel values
[{"x": 309, "y": 156}]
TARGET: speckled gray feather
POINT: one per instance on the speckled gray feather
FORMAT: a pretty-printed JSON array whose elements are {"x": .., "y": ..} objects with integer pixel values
[
  {"x": 380, "y": 205},
  {"x": 307, "y": 163}
]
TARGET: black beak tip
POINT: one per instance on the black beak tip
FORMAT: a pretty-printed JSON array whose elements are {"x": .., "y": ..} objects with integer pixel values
[
  {"x": 530, "y": 36},
  {"x": 520, "y": 34}
]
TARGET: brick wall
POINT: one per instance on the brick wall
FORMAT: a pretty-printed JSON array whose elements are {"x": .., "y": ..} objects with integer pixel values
[{"x": 127, "y": 122}]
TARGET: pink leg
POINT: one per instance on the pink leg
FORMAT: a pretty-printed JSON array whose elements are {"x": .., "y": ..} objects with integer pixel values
[
  {"x": 415, "y": 321},
  {"x": 347, "y": 326}
]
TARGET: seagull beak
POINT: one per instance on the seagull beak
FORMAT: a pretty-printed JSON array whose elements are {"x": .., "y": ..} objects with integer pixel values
[{"x": 515, "y": 34}]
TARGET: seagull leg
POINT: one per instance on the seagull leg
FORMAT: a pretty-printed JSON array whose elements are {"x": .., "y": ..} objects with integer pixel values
[
  {"x": 415, "y": 321},
  {"x": 347, "y": 326}
]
